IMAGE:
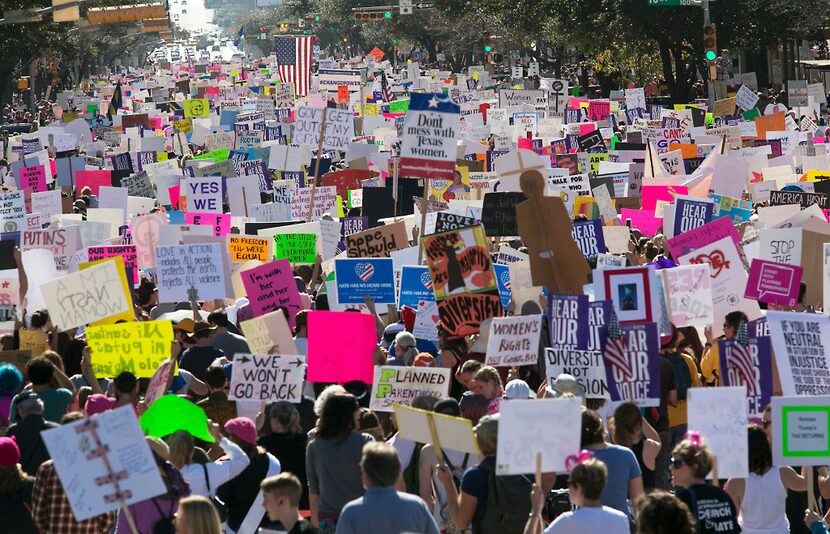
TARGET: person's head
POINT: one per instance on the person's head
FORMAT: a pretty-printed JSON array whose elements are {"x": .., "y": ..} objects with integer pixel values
[
  {"x": 380, "y": 466},
  {"x": 448, "y": 406},
  {"x": 29, "y": 403},
  {"x": 691, "y": 461},
  {"x": 370, "y": 424},
  {"x": 466, "y": 373},
  {"x": 587, "y": 481},
  {"x": 405, "y": 349},
  {"x": 323, "y": 396},
  {"x": 487, "y": 382},
  {"x": 284, "y": 418},
  {"x": 518, "y": 389},
  {"x": 197, "y": 515},
  {"x": 215, "y": 378},
  {"x": 662, "y": 513},
  {"x": 628, "y": 423},
  {"x": 487, "y": 434},
  {"x": 10, "y": 380},
  {"x": 125, "y": 383},
  {"x": 12, "y": 477},
  {"x": 760, "y": 452},
  {"x": 202, "y": 331},
  {"x": 40, "y": 320},
  {"x": 732, "y": 322},
  {"x": 301, "y": 323},
  {"x": 40, "y": 371},
  {"x": 339, "y": 417},
  {"x": 766, "y": 422},
  {"x": 218, "y": 318},
  {"x": 97, "y": 403},
  {"x": 281, "y": 494},
  {"x": 181, "y": 448},
  {"x": 242, "y": 431},
  {"x": 593, "y": 431}
]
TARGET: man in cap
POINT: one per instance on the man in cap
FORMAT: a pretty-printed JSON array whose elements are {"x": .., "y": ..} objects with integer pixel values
[{"x": 201, "y": 355}]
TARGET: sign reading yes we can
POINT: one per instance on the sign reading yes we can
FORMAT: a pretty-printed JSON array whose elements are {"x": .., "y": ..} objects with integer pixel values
[
  {"x": 270, "y": 377},
  {"x": 399, "y": 385}
]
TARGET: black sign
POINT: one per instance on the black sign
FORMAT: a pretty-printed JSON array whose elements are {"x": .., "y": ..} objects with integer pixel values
[
  {"x": 805, "y": 200},
  {"x": 498, "y": 214},
  {"x": 449, "y": 221}
]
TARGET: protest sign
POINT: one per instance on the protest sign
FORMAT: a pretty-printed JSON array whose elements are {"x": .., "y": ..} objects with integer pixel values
[
  {"x": 308, "y": 127},
  {"x": 567, "y": 314},
  {"x": 587, "y": 366},
  {"x": 146, "y": 231},
  {"x": 689, "y": 295},
  {"x": 104, "y": 462},
  {"x": 9, "y": 301},
  {"x": 204, "y": 194},
  {"x": 800, "y": 430},
  {"x": 800, "y": 343},
  {"x": 749, "y": 366},
  {"x": 633, "y": 292},
  {"x": 267, "y": 378},
  {"x": 426, "y": 321},
  {"x": 63, "y": 242},
  {"x": 244, "y": 248},
  {"x": 701, "y": 236},
  {"x": 196, "y": 107},
  {"x": 377, "y": 242},
  {"x": 86, "y": 296},
  {"x": 400, "y": 385},
  {"x": 690, "y": 214},
  {"x": 450, "y": 221},
  {"x": 333, "y": 357},
  {"x": 12, "y": 211},
  {"x": 522, "y": 435},
  {"x": 442, "y": 431},
  {"x": 514, "y": 341},
  {"x": 430, "y": 134},
  {"x": 589, "y": 237},
  {"x": 358, "y": 278},
  {"x": 272, "y": 287},
  {"x": 296, "y": 248},
  {"x": 160, "y": 382},
  {"x": 325, "y": 198},
  {"x": 720, "y": 416},
  {"x": 415, "y": 286},
  {"x": 773, "y": 283},
  {"x": 190, "y": 272},
  {"x": 632, "y": 374},
  {"x": 269, "y": 334},
  {"x": 505, "y": 284},
  {"x": 498, "y": 213},
  {"x": 138, "y": 347}
]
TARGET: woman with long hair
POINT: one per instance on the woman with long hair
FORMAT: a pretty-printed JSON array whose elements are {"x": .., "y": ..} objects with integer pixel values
[
  {"x": 15, "y": 491},
  {"x": 487, "y": 383},
  {"x": 333, "y": 460},
  {"x": 761, "y": 497},
  {"x": 197, "y": 515},
  {"x": 283, "y": 437},
  {"x": 633, "y": 431}
]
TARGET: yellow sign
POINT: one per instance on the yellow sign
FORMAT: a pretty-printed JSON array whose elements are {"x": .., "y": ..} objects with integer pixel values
[
  {"x": 370, "y": 109},
  {"x": 183, "y": 125},
  {"x": 245, "y": 248},
  {"x": 122, "y": 275},
  {"x": 196, "y": 107},
  {"x": 137, "y": 347}
]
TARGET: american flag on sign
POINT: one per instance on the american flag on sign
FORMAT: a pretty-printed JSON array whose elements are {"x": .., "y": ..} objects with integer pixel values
[
  {"x": 385, "y": 88},
  {"x": 615, "y": 348},
  {"x": 294, "y": 61},
  {"x": 741, "y": 359}
]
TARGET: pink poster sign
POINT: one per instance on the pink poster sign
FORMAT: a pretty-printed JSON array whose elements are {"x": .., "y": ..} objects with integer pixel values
[
  {"x": 773, "y": 283},
  {"x": 272, "y": 287},
  {"x": 682, "y": 244},
  {"x": 340, "y": 346}
]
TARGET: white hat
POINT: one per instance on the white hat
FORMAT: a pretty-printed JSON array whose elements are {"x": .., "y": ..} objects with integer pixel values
[
  {"x": 566, "y": 383},
  {"x": 518, "y": 389}
]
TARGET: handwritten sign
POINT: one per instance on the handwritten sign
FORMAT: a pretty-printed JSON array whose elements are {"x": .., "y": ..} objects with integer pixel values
[
  {"x": 243, "y": 248},
  {"x": 138, "y": 347},
  {"x": 308, "y": 127},
  {"x": 296, "y": 248},
  {"x": 268, "y": 378},
  {"x": 269, "y": 334},
  {"x": 377, "y": 242},
  {"x": 514, "y": 341},
  {"x": 190, "y": 272},
  {"x": 688, "y": 290},
  {"x": 271, "y": 287}
]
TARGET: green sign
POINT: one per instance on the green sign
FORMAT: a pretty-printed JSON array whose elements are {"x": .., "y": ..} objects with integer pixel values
[
  {"x": 297, "y": 248},
  {"x": 805, "y": 431},
  {"x": 217, "y": 155}
]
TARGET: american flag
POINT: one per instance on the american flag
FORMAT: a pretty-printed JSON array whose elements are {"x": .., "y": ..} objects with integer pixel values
[
  {"x": 365, "y": 271},
  {"x": 615, "y": 348},
  {"x": 294, "y": 61},
  {"x": 385, "y": 88},
  {"x": 741, "y": 359}
]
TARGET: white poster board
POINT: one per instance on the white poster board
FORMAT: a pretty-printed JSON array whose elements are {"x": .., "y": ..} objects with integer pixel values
[
  {"x": 267, "y": 378},
  {"x": 85, "y": 296},
  {"x": 720, "y": 415},
  {"x": 801, "y": 430},
  {"x": 514, "y": 341}
]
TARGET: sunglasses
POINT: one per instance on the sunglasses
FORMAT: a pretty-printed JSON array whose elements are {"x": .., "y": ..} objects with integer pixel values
[{"x": 677, "y": 463}]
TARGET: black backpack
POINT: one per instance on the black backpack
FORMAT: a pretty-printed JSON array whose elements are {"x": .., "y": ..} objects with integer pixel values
[
  {"x": 681, "y": 374},
  {"x": 165, "y": 525},
  {"x": 411, "y": 475},
  {"x": 508, "y": 503}
]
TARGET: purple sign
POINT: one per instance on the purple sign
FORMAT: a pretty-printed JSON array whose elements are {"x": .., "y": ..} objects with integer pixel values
[
  {"x": 568, "y": 328},
  {"x": 749, "y": 366},
  {"x": 599, "y": 316},
  {"x": 633, "y": 373},
  {"x": 691, "y": 214},
  {"x": 589, "y": 237}
]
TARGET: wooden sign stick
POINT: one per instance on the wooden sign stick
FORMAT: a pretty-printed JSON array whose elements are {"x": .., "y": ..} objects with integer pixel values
[
  {"x": 539, "y": 470},
  {"x": 423, "y": 221},
  {"x": 436, "y": 441},
  {"x": 811, "y": 496},
  {"x": 317, "y": 165}
]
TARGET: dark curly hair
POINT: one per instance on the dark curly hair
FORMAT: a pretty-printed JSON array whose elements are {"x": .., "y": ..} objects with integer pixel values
[{"x": 662, "y": 513}]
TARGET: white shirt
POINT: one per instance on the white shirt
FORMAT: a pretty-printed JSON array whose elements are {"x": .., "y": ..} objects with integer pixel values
[
  {"x": 219, "y": 472},
  {"x": 590, "y": 519}
]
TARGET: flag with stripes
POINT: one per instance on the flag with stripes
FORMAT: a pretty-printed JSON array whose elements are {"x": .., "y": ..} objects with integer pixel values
[
  {"x": 741, "y": 359},
  {"x": 294, "y": 56},
  {"x": 116, "y": 101},
  {"x": 614, "y": 352},
  {"x": 385, "y": 88}
]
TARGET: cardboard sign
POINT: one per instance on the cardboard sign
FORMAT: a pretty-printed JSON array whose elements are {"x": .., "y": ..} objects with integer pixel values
[
  {"x": 138, "y": 347},
  {"x": 91, "y": 454},
  {"x": 459, "y": 262},
  {"x": 244, "y": 248},
  {"x": 377, "y": 242},
  {"x": 308, "y": 127},
  {"x": 333, "y": 357},
  {"x": 268, "y": 378},
  {"x": 430, "y": 134},
  {"x": 567, "y": 315},
  {"x": 514, "y": 341},
  {"x": 773, "y": 283},
  {"x": 190, "y": 272},
  {"x": 453, "y": 433},
  {"x": 632, "y": 373},
  {"x": 587, "y": 366},
  {"x": 272, "y": 287},
  {"x": 750, "y": 367},
  {"x": 498, "y": 213},
  {"x": 688, "y": 292},
  {"x": 522, "y": 438},
  {"x": 719, "y": 414},
  {"x": 799, "y": 342},
  {"x": 800, "y": 430},
  {"x": 269, "y": 334},
  {"x": 296, "y": 248},
  {"x": 400, "y": 385},
  {"x": 86, "y": 296}
]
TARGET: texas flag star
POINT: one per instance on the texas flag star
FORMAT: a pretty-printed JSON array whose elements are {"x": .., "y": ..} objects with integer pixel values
[
  {"x": 5, "y": 285},
  {"x": 433, "y": 102}
]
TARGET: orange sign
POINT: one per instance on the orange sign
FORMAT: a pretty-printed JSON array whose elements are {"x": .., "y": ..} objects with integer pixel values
[{"x": 377, "y": 53}]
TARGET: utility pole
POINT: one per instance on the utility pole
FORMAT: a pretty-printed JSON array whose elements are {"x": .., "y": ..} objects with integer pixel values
[{"x": 710, "y": 84}]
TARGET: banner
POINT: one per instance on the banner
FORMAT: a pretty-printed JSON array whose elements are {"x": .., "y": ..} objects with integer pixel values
[
  {"x": 267, "y": 378},
  {"x": 138, "y": 347},
  {"x": 400, "y": 385}
]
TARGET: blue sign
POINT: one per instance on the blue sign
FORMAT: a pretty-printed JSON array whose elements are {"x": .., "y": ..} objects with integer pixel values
[
  {"x": 416, "y": 284},
  {"x": 361, "y": 277},
  {"x": 503, "y": 279}
]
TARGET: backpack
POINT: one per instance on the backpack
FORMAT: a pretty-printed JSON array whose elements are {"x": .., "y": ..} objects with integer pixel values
[
  {"x": 457, "y": 472},
  {"x": 508, "y": 503},
  {"x": 681, "y": 374},
  {"x": 165, "y": 525},
  {"x": 412, "y": 475}
]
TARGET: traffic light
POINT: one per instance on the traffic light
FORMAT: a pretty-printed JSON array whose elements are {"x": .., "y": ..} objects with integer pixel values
[
  {"x": 710, "y": 42},
  {"x": 372, "y": 15},
  {"x": 488, "y": 47}
]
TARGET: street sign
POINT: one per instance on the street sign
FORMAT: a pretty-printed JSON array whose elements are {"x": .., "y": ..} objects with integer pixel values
[
  {"x": 405, "y": 7},
  {"x": 670, "y": 3},
  {"x": 424, "y": 6}
]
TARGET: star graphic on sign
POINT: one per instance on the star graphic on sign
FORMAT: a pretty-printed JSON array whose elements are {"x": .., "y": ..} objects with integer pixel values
[
  {"x": 5, "y": 285},
  {"x": 433, "y": 102}
]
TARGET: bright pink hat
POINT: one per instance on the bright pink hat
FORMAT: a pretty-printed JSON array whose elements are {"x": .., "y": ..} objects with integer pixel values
[
  {"x": 243, "y": 428},
  {"x": 9, "y": 452}
]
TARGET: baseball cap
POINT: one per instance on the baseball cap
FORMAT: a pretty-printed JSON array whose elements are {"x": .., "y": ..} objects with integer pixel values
[
  {"x": 518, "y": 389},
  {"x": 243, "y": 428},
  {"x": 566, "y": 383},
  {"x": 424, "y": 359},
  {"x": 97, "y": 403}
]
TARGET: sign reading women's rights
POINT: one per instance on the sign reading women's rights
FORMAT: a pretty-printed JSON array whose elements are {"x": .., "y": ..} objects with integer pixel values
[
  {"x": 86, "y": 296},
  {"x": 514, "y": 341},
  {"x": 587, "y": 366},
  {"x": 190, "y": 272},
  {"x": 430, "y": 133},
  {"x": 339, "y": 131},
  {"x": 269, "y": 377},
  {"x": 137, "y": 347},
  {"x": 749, "y": 366},
  {"x": 567, "y": 315},
  {"x": 400, "y": 385},
  {"x": 801, "y": 342},
  {"x": 633, "y": 373}
]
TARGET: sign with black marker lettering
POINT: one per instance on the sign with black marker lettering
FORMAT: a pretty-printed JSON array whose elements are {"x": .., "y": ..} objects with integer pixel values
[{"x": 269, "y": 377}]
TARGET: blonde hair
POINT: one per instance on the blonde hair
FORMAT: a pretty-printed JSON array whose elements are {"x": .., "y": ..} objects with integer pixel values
[
  {"x": 198, "y": 515},
  {"x": 488, "y": 374},
  {"x": 181, "y": 448}
]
